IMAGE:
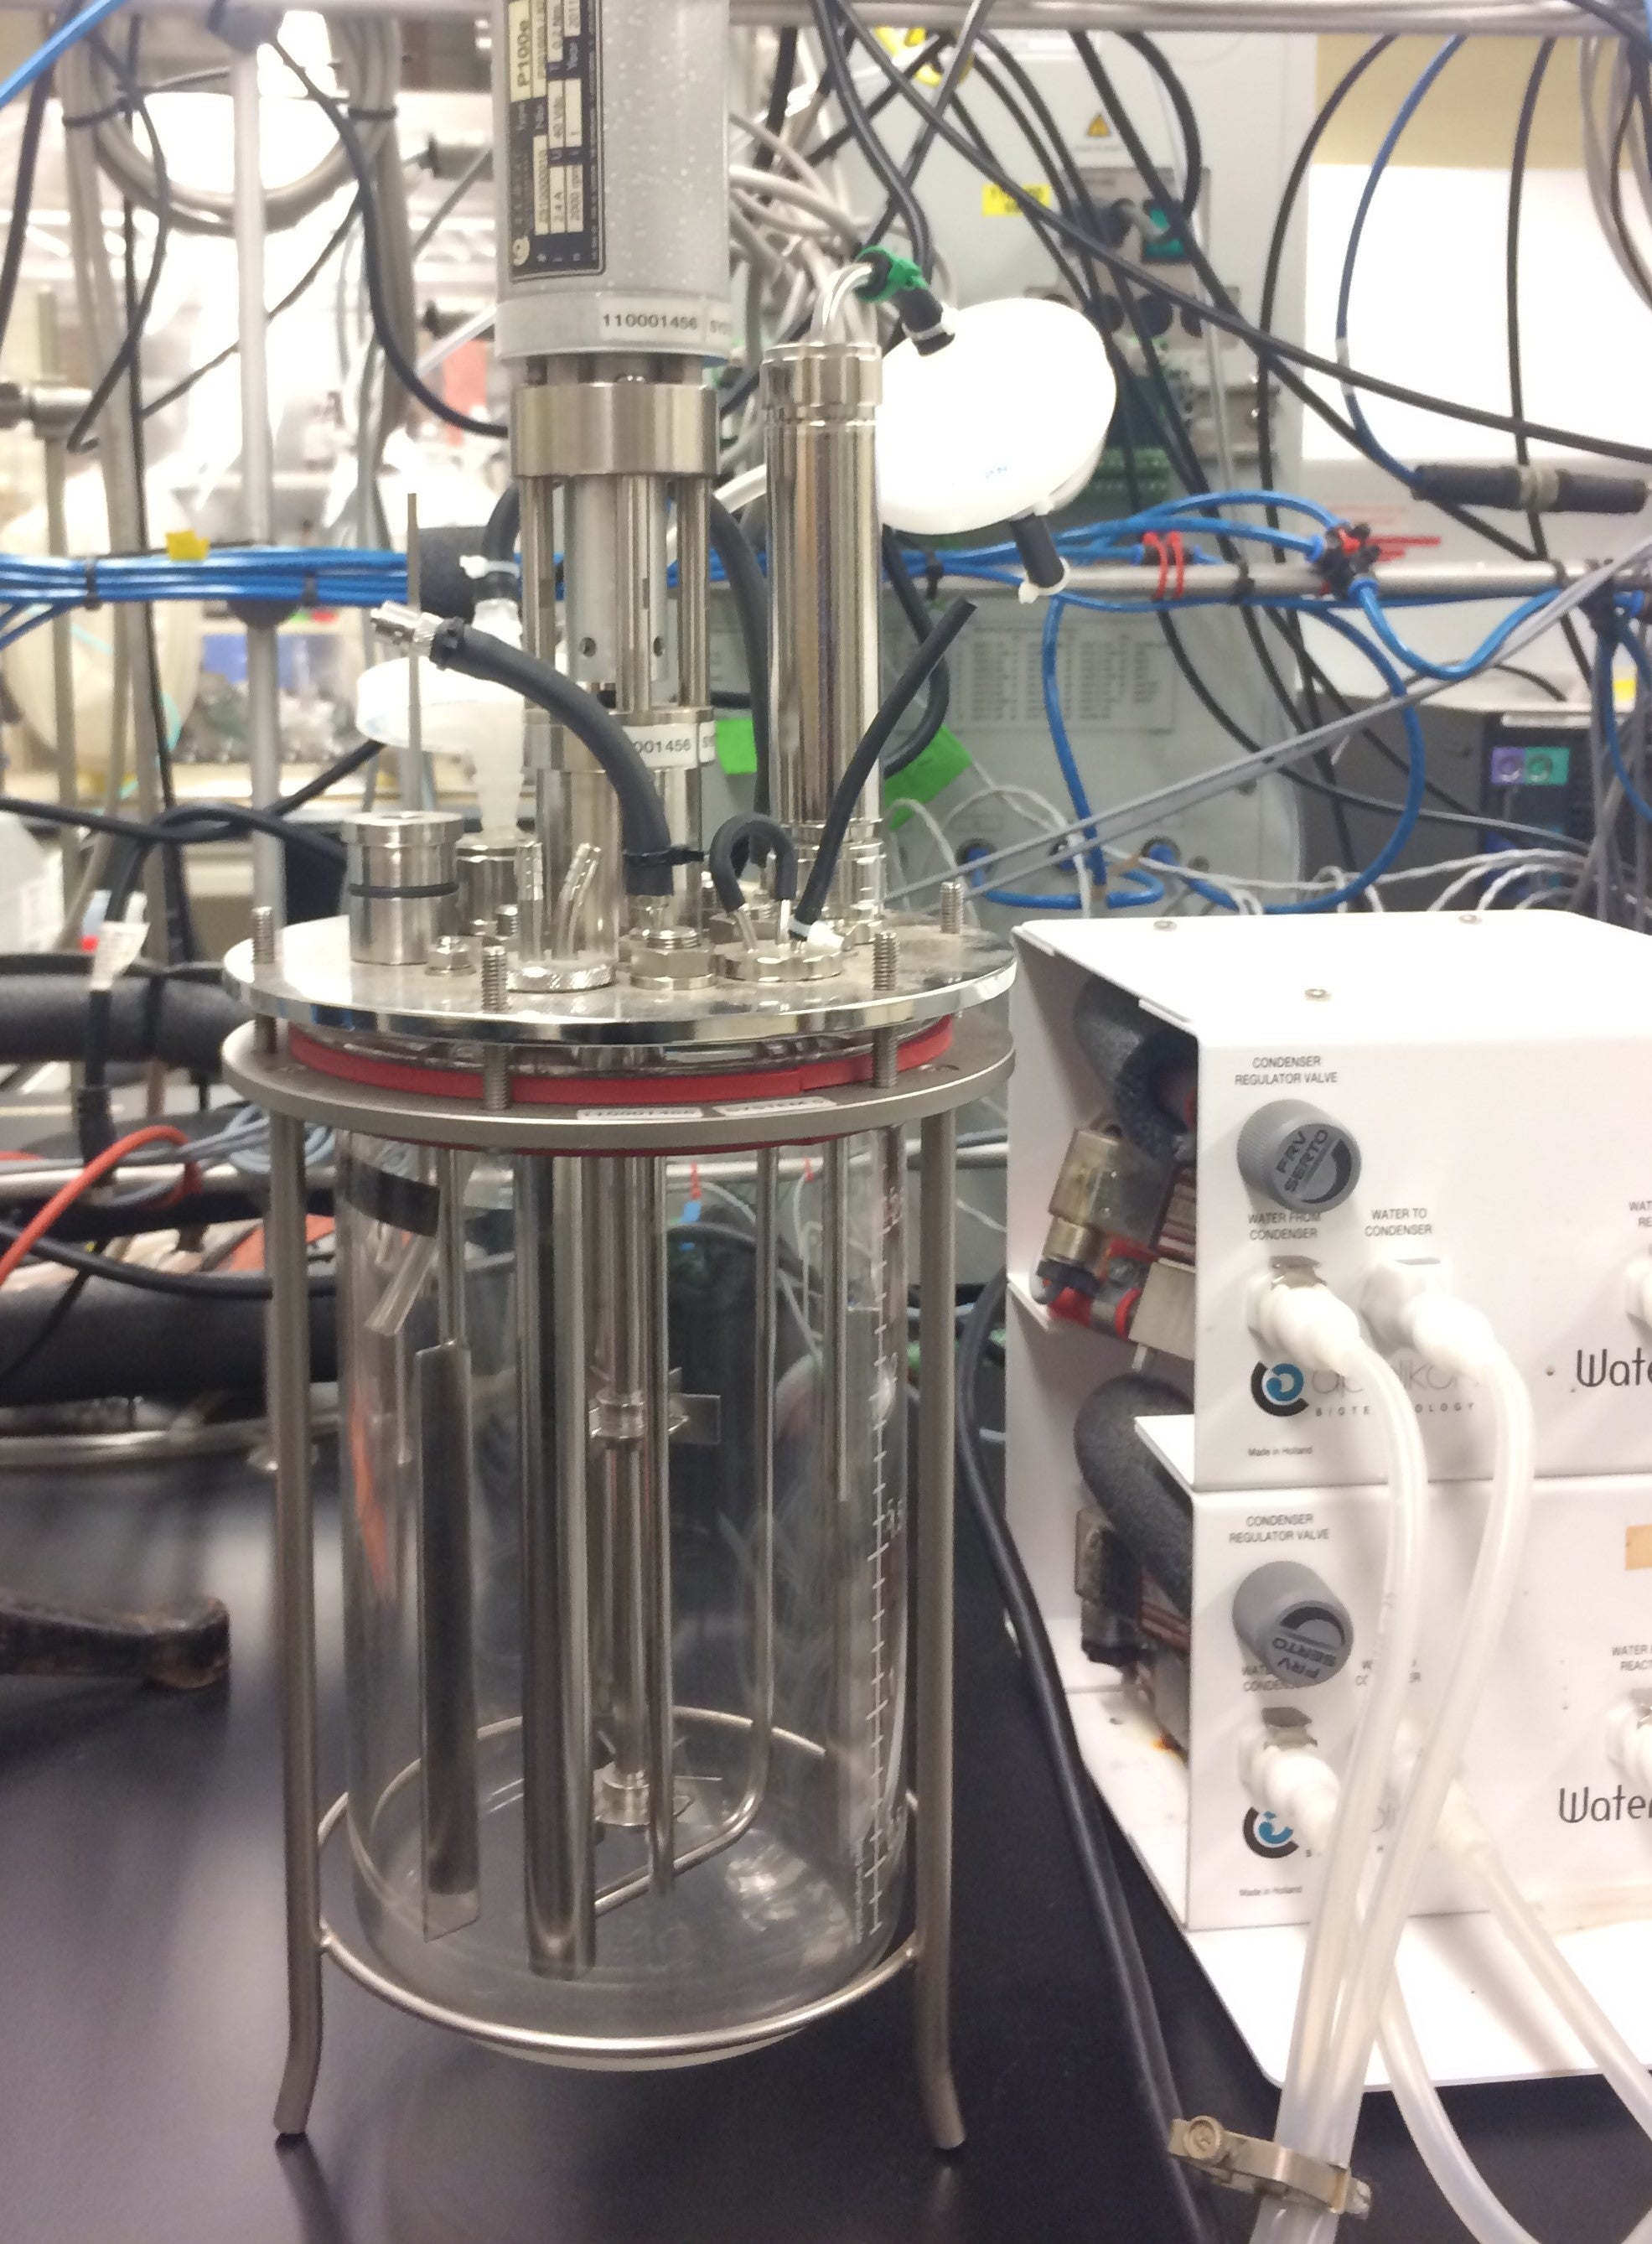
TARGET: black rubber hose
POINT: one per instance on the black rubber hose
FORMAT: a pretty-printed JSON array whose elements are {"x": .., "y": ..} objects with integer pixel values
[
  {"x": 117, "y": 1341},
  {"x": 1141, "y": 1062},
  {"x": 1146, "y": 1509},
  {"x": 180, "y": 1024},
  {"x": 750, "y": 594},
  {"x": 646, "y": 838},
  {"x": 938, "y": 691},
  {"x": 499, "y": 544},
  {"x": 737, "y": 840},
  {"x": 1138, "y": 2017},
  {"x": 847, "y": 793}
]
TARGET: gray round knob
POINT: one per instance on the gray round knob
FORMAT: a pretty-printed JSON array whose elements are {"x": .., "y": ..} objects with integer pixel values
[
  {"x": 1297, "y": 1157},
  {"x": 1284, "y": 1616}
]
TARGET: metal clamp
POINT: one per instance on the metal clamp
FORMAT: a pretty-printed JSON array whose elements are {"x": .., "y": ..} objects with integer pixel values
[{"x": 1260, "y": 2168}]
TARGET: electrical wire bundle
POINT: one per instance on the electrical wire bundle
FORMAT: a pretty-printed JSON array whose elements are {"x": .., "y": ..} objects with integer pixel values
[{"x": 35, "y": 588}]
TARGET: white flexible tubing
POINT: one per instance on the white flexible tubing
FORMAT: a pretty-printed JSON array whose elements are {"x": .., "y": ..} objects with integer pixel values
[
  {"x": 1475, "y": 1849},
  {"x": 1335, "y": 1923},
  {"x": 1332, "y": 2107},
  {"x": 1454, "y": 2174}
]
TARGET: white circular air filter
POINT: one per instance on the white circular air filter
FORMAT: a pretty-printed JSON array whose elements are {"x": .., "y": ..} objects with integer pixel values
[{"x": 1009, "y": 419}]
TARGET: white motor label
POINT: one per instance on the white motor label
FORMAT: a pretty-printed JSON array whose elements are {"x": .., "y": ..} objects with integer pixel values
[
  {"x": 675, "y": 746},
  {"x": 665, "y": 320}
]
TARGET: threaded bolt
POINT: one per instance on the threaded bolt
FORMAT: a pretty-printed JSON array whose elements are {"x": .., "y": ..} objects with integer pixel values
[
  {"x": 263, "y": 935},
  {"x": 952, "y": 906},
  {"x": 495, "y": 986},
  {"x": 886, "y": 958}
]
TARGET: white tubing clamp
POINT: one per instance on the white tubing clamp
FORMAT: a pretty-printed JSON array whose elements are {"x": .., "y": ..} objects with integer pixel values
[{"x": 1260, "y": 2168}]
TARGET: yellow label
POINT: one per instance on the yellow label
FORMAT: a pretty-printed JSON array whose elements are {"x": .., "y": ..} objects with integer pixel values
[
  {"x": 186, "y": 545},
  {"x": 1098, "y": 128},
  {"x": 897, "y": 43},
  {"x": 994, "y": 203},
  {"x": 1637, "y": 1547}
]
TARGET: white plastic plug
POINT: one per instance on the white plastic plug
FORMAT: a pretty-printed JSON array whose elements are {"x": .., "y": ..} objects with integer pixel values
[
  {"x": 1629, "y": 1740},
  {"x": 1409, "y": 1304},
  {"x": 1285, "y": 1774},
  {"x": 817, "y": 936},
  {"x": 1294, "y": 1315},
  {"x": 119, "y": 943}
]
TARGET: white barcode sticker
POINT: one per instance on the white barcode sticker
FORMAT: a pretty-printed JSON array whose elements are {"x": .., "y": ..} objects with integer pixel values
[
  {"x": 752, "y": 1107},
  {"x": 642, "y": 1113}
]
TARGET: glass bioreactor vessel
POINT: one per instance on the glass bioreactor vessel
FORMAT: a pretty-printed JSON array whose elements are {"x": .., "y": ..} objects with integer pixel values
[{"x": 645, "y": 1765}]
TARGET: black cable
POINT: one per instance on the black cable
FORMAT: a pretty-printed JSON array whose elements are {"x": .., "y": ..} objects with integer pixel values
[
  {"x": 938, "y": 691},
  {"x": 1535, "y": 678},
  {"x": 218, "y": 821},
  {"x": 340, "y": 768},
  {"x": 845, "y": 795},
  {"x": 749, "y": 591},
  {"x": 649, "y": 853},
  {"x": 383, "y": 325},
  {"x": 125, "y": 361},
  {"x": 835, "y": 61},
  {"x": 1223, "y": 313},
  {"x": 335, "y": 241},
  {"x": 1148, "y": 2066},
  {"x": 835, "y": 143},
  {"x": 1184, "y": 455},
  {"x": 1187, "y": 123},
  {"x": 188, "y": 1285},
  {"x": 1512, "y": 312},
  {"x": 22, "y": 191},
  {"x": 786, "y": 71}
]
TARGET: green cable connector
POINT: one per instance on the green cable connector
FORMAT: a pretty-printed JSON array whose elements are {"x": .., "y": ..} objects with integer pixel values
[
  {"x": 737, "y": 747},
  {"x": 890, "y": 276},
  {"x": 945, "y": 759}
]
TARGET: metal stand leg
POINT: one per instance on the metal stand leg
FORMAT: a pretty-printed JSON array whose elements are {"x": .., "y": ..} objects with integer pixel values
[
  {"x": 289, "y": 1411},
  {"x": 939, "y": 1276}
]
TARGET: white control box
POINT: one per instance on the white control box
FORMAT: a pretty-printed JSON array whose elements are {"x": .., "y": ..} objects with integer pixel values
[
  {"x": 1491, "y": 1076},
  {"x": 1494, "y": 1072}
]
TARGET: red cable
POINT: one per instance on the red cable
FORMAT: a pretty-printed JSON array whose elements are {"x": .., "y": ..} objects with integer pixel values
[
  {"x": 1180, "y": 551},
  {"x": 153, "y": 1133},
  {"x": 1153, "y": 543}
]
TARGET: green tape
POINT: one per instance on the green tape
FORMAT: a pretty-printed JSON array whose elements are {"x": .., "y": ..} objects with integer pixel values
[
  {"x": 736, "y": 748},
  {"x": 945, "y": 759}
]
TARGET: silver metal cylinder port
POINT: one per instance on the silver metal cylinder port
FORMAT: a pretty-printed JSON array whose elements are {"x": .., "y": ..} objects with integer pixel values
[{"x": 402, "y": 883}]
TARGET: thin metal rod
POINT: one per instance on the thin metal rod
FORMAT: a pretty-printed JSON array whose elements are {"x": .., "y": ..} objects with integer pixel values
[
  {"x": 286, "y": 1255},
  {"x": 937, "y": 1293},
  {"x": 761, "y": 1735},
  {"x": 63, "y": 669},
  {"x": 558, "y": 1824},
  {"x": 843, "y": 1733},
  {"x": 410, "y": 764},
  {"x": 1524, "y": 21},
  {"x": 258, "y": 474},
  {"x": 767, "y": 1211},
  {"x": 635, "y": 507},
  {"x": 661, "y": 1695},
  {"x": 1490, "y": 580},
  {"x": 447, "y": 1663},
  {"x": 693, "y": 569}
]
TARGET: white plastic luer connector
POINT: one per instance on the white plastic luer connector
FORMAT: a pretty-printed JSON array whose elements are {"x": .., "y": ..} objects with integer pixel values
[
  {"x": 1293, "y": 1314},
  {"x": 1410, "y": 1304}
]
